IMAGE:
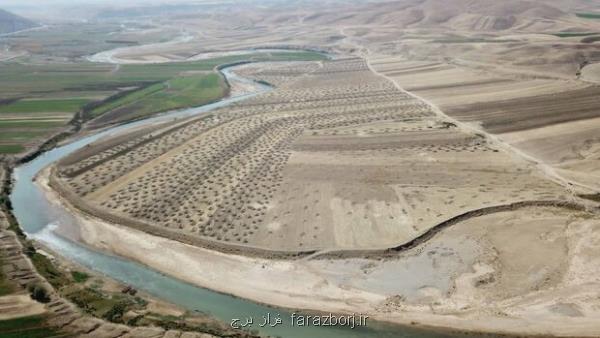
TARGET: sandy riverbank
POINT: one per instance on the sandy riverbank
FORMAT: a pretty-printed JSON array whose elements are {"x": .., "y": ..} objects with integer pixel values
[{"x": 420, "y": 287}]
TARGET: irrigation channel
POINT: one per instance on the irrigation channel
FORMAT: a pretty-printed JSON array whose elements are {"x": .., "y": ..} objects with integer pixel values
[{"x": 38, "y": 216}]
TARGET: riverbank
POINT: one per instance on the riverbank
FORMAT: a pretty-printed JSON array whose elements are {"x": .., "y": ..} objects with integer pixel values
[
  {"x": 155, "y": 311},
  {"x": 139, "y": 309},
  {"x": 77, "y": 300},
  {"x": 481, "y": 274},
  {"x": 300, "y": 284}
]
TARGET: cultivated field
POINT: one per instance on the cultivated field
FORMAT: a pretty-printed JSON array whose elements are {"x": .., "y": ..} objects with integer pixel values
[
  {"x": 334, "y": 158},
  {"x": 41, "y": 100},
  {"x": 552, "y": 120}
]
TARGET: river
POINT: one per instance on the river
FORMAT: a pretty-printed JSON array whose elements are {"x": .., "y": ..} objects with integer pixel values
[{"x": 39, "y": 217}]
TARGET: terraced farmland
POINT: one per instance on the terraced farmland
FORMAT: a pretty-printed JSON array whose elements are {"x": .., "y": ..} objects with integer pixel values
[
  {"x": 555, "y": 121},
  {"x": 335, "y": 158}
]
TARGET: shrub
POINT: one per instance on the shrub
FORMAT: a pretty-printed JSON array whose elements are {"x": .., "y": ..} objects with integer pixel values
[
  {"x": 79, "y": 277},
  {"x": 39, "y": 293},
  {"x": 115, "y": 314}
]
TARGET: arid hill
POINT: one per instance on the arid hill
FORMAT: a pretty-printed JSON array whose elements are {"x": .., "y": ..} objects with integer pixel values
[{"x": 482, "y": 15}]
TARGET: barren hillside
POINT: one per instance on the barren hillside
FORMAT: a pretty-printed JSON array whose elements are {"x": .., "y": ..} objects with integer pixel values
[{"x": 483, "y": 15}]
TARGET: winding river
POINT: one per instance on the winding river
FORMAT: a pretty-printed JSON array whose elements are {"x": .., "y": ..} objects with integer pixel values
[{"x": 38, "y": 217}]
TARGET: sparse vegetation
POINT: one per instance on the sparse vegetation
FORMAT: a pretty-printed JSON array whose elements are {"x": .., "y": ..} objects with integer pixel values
[
  {"x": 46, "y": 268},
  {"x": 6, "y": 287},
  {"x": 79, "y": 277},
  {"x": 98, "y": 304},
  {"x": 29, "y": 327}
]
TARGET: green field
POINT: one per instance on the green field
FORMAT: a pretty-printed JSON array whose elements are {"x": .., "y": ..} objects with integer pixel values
[
  {"x": 11, "y": 124},
  {"x": 176, "y": 93},
  {"x": 28, "y": 327},
  {"x": 15, "y": 135},
  {"x": 588, "y": 15},
  {"x": 44, "y": 105},
  {"x": 26, "y": 80},
  {"x": 10, "y": 140},
  {"x": 11, "y": 148},
  {"x": 31, "y": 92},
  {"x": 130, "y": 98},
  {"x": 11, "y": 136}
]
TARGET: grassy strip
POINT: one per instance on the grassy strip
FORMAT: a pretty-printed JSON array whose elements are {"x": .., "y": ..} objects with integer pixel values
[
  {"x": 37, "y": 106},
  {"x": 588, "y": 15},
  {"x": 127, "y": 99},
  {"x": 46, "y": 268},
  {"x": 11, "y": 148},
  {"x": 79, "y": 277},
  {"x": 471, "y": 40},
  {"x": 298, "y": 56},
  {"x": 8, "y": 136},
  {"x": 179, "y": 93},
  {"x": 6, "y": 124},
  {"x": 573, "y": 34}
]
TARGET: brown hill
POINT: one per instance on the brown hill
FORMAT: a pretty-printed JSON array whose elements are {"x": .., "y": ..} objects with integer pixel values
[{"x": 485, "y": 15}]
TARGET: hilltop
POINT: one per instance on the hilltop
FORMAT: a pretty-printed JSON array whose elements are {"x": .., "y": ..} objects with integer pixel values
[
  {"x": 10, "y": 22},
  {"x": 483, "y": 15}
]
